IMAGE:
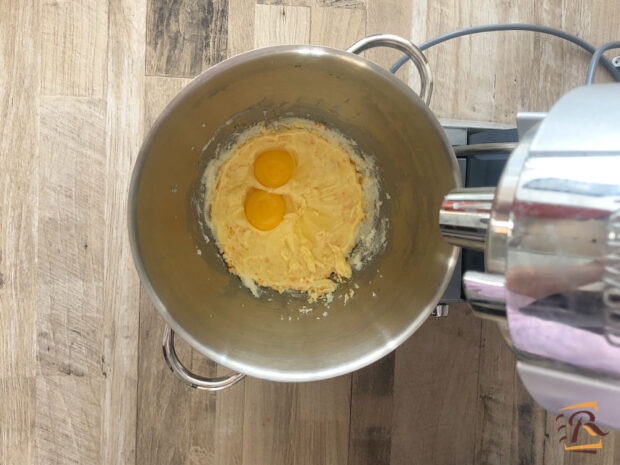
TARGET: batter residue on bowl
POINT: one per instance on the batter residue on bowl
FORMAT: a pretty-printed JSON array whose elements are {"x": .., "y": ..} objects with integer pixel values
[{"x": 285, "y": 204}]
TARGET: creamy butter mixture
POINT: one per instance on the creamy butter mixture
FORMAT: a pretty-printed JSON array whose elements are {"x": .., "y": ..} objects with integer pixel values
[{"x": 297, "y": 235}]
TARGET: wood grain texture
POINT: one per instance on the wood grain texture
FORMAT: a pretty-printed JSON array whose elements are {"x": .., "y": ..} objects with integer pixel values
[
  {"x": 388, "y": 17},
  {"x": 502, "y": 401},
  {"x": 162, "y": 399},
  {"x": 74, "y": 42},
  {"x": 183, "y": 37},
  {"x": 296, "y": 423},
  {"x": 475, "y": 53},
  {"x": 229, "y": 421},
  {"x": 269, "y": 420},
  {"x": 163, "y": 418},
  {"x": 322, "y": 415},
  {"x": 241, "y": 15},
  {"x": 501, "y": 73},
  {"x": 20, "y": 45},
  {"x": 435, "y": 392},
  {"x": 124, "y": 130},
  {"x": 372, "y": 393},
  {"x": 202, "y": 415},
  {"x": 281, "y": 25},
  {"x": 19, "y": 110},
  {"x": 360, "y": 4},
  {"x": 70, "y": 270},
  {"x": 158, "y": 92},
  {"x": 17, "y": 420},
  {"x": 350, "y": 4},
  {"x": 337, "y": 27}
]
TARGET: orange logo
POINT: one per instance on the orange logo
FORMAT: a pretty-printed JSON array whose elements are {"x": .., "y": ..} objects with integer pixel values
[{"x": 580, "y": 420}]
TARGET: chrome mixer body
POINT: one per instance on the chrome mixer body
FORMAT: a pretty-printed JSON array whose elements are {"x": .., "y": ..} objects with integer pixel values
[{"x": 550, "y": 232}]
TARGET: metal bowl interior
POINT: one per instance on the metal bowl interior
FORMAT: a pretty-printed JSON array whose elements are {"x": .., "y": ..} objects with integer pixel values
[{"x": 268, "y": 337}]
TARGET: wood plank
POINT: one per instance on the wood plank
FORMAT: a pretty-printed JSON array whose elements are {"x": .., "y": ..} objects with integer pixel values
[
  {"x": 202, "y": 416},
  {"x": 178, "y": 424},
  {"x": 322, "y": 414},
  {"x": 602, "y": 29},
  {"x": 337, "y": 27},
  {"x": 216, "y": 38},
  {"x": 529, "y": 421},
  {"x": 510, "y": 89},
  {"x": 70, "y": 259},
  {"x": 18, "y": 186},
  {"x": 67, "y": 424},
  {"x": 372, "y": 399},
  {"x": 389, "y": 17},
  {"x": 215, "y": 422},
  {"x": 163, "y": 426},
  {"x": 20, "y": 45},
  {"x": 75, "y": 38},
  {"x": 269, "y": 422},
  {"x": 553, "y": 451},
  {"x": 583, "y": 21},
  {"x": 124, "y": 130},
  {"x": 495, "y": 407},
  {"x": 435, "y": 391},
  {"x": 70, "y": 380},
  {"x": 450, "y": 57},
  {"x": 350, "y": 4},
  {"x": 241, "y": 15},
  {"x": 17, "y": 428},
  {"x": 551, "y": 62},
  {"x": 229, "y": 421},
  {"x": 503, "y": 401},
  {"x": 281, "y": 25},
  {"x": 359, "y": 4},
  {"x": 527, "y": 91},
  {"x": 305, "y": 423},
  {"x": 306, "y": 3},
  {"x": 184, "y": 37},
  {"x": 158, "y": 92},
  {"x": 500, "y": 73}
]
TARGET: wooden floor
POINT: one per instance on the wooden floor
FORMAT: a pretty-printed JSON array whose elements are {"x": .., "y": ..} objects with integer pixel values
[{"x": 82, "y": 380}]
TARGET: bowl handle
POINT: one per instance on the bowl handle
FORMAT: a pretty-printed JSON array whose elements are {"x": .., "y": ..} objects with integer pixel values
[
  {"x": 409, "y": 49},
  {"x": 195, "y": 381}
]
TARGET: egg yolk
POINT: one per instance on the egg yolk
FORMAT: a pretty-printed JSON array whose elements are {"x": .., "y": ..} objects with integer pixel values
[
  {"x": 273, "y": 168},
  {"x": 264, "y": 210}
]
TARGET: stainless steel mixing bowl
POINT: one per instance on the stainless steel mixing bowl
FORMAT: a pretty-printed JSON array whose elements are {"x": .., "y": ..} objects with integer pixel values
[{"x": 268, "y": 337}]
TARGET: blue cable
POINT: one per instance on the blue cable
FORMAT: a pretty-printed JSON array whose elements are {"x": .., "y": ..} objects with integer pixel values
[{"x": 513, "y": 27}]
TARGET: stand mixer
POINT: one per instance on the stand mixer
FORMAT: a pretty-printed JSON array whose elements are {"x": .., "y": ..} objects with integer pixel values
[{"x": 550, "y": 233}]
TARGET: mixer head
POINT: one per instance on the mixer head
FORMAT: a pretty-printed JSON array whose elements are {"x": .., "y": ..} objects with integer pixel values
[{"x": 550, "y": 232}]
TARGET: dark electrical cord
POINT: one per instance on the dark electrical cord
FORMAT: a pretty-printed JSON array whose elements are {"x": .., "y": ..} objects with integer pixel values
[
  {"x": 598, "y": 54},
  {"x": 513, "y": 27}
]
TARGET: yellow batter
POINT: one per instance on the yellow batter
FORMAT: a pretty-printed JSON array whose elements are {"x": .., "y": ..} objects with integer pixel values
[{"x": 286, "y": 210}]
